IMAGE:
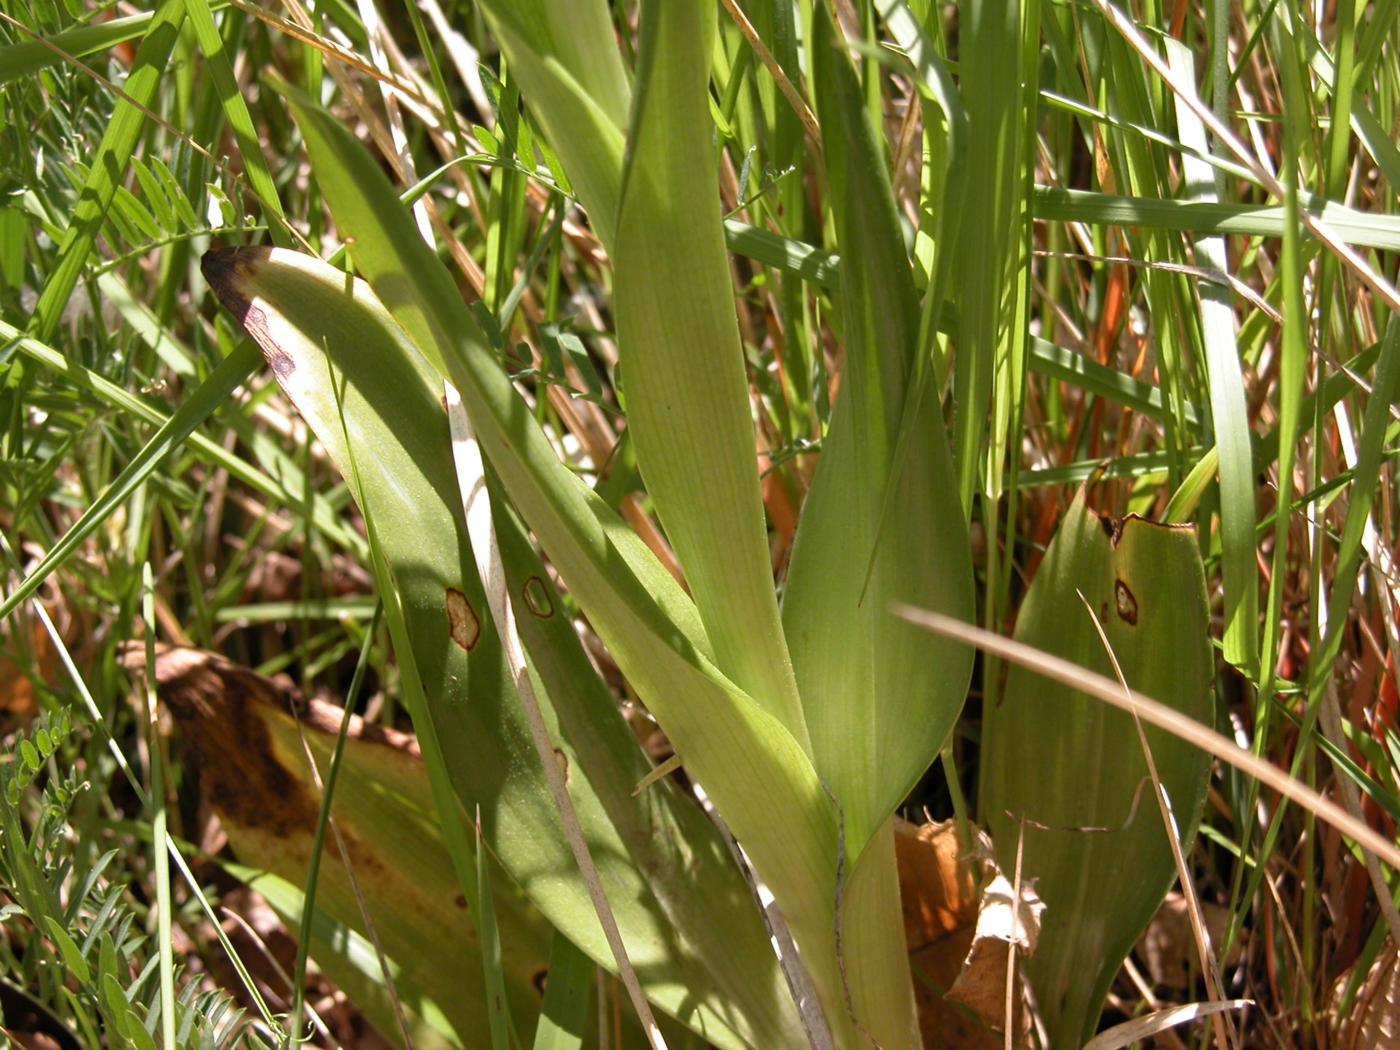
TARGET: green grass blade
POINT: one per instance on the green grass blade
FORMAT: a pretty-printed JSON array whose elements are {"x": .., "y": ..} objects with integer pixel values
[
  {"x": 1357, "y": 228},
  {"x": 240, "y": 121},
  {"x": 108, "y": 166},
  {"x": 687, "y": 392},
  {"x": 202, "y": 403},
  {"x": 564, "y": 1016},
  {"x": 1229, "y": 413},
  {"x": 20, "y": 60},
  {"x": 990, "y": 42},
  {"x": 160, "y": 838}
]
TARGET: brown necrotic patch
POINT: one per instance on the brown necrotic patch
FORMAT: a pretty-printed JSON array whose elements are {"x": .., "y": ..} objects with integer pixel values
[
  {"x": 1125, "y": 603},
  {"x": 462, "y": 619},
  {"x": 537, "y": 600},
  {"x": 223, "y": 712},
  {"x": 227, "y": 270}
]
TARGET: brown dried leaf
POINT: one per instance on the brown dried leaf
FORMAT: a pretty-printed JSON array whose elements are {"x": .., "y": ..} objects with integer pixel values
[
  {"x": 17, "y": 700},
  {"x": 959, "y": 939}
]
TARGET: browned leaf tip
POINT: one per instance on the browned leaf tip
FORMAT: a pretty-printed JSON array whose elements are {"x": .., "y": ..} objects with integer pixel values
[{"x": 227, "y": 270}]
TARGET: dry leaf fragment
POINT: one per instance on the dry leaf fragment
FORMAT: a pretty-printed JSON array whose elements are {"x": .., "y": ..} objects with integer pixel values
[
  {"x": 1168, "y": 948},
  {"x": 1004, "y": 920},
  {"x": 958, "y": 939}
]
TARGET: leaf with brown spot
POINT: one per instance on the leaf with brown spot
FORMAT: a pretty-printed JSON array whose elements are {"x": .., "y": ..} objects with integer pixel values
[
  {"x": 373, "y": 401},
  {"x": 1073, "y": 767},
  {"x": 462, "y": 620}
]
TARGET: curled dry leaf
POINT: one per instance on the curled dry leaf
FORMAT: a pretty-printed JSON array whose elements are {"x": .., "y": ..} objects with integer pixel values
[
  {"x": 959, "y": 935},
  {"x": 1373, "y": 1018}
]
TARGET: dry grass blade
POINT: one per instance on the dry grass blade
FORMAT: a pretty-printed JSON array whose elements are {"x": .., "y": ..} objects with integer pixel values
[
  {"x": 1140, "y": 1028},
  {"x": 1160, "y": 715}
]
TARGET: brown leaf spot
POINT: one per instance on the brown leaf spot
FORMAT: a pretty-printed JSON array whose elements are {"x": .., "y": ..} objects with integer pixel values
[
  {"x": 536, "y": 596},
  {"x": 462, "y": 619},
  {"x": 1126, "y": 604},
  {"x": 563, "y": 762},
  {"x": 226, "y": 270},
  {"x": 460, "y": 900}
]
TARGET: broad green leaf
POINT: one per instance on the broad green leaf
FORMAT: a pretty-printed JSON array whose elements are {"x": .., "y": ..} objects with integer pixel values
[
  {"x": 687, "y": 392},
  {"x": 880, "y": 695},
  {"x": 877, "y": 528},
  {"x": 688, "y": 919},
  {"x": 1066, "y": 772},
  {"x": 752, "y": 769},
  {"x": 755, "y": 772}
]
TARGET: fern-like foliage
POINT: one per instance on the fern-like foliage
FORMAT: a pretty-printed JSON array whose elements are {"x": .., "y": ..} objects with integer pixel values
[{"x": 71, "y": 940}]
